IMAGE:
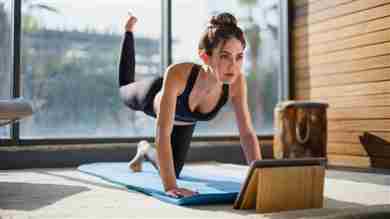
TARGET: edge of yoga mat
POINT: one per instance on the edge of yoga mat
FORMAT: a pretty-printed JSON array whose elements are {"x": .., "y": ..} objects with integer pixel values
[{"x": 201, "y": 199}]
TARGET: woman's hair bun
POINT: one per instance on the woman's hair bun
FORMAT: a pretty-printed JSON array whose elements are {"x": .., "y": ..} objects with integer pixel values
[
  {"x": 220, "y": 28},
  {"x": 223, "y": 20}
]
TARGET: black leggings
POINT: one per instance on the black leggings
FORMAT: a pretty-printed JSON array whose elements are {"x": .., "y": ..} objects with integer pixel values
[{"x": 139, "y": 95}]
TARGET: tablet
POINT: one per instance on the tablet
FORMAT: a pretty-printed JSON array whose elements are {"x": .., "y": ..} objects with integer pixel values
[{"x": 270, "y": 163}]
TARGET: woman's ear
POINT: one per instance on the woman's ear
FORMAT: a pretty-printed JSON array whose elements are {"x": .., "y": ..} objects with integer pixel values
[{"x": 203, "y": 55}]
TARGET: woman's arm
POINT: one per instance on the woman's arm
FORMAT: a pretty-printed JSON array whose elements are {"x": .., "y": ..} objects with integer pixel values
[
  {"x": 165, "y": 118},
  {"x": 172, "y": 87},
  {"x": 248, "y": 137}
]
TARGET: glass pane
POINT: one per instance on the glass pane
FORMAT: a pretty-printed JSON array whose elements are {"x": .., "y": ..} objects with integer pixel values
[
  {"x": 5, "y": 56},
  {"x": 70, "y": 52},
  {"x": 260, "y": 22}
]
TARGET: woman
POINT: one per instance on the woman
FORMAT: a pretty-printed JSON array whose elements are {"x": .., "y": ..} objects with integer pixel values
[{"x": 188, "y": 93}]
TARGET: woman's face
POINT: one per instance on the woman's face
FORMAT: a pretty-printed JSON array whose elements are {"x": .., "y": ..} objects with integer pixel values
[{"x": 226, "y": 60}]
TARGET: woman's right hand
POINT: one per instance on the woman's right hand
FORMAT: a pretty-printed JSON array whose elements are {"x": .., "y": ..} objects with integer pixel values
[
  {"x": 180, "y": 193},
  {"x": 130, "y": 23}
]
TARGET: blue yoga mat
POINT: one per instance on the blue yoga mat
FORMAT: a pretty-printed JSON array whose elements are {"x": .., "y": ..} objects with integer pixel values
[{"x": 212, "y": 188}]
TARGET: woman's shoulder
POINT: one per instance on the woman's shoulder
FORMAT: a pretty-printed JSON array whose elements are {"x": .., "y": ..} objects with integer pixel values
[
  {"x": 180, "y": 70},
  {"x": 177, "y": 75},
  {"x": 181, "y": 67}
]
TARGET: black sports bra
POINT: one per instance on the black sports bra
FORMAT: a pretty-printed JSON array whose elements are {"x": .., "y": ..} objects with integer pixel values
[{"x": 183, "y": 112}]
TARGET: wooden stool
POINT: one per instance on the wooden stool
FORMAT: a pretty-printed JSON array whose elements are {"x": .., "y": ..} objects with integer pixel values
[
  {"x": 278, "y": 185},
  {"x": 300, "y": 129}
]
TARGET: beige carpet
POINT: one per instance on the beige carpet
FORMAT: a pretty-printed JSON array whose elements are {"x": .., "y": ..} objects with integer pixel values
[{"x": 67, "y": 193}]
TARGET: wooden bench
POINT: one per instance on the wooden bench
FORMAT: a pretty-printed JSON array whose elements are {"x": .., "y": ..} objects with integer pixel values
[
  {"x": 278, "y": 185},
  {"x": 14, "y": 109}
]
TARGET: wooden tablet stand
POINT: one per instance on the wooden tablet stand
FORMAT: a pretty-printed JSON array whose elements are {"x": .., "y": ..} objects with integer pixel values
[{"x": 278, "y": 185}]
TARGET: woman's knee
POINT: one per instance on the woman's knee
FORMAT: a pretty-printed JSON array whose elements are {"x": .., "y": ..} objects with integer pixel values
[{"x": 128, "y": 96}]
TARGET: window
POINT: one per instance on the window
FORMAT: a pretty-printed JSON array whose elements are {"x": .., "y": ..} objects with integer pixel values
[
  {"x": 260, "y": 22},
  {"x": 5, "y": 57},
  {"x": 70, "y": 51}
]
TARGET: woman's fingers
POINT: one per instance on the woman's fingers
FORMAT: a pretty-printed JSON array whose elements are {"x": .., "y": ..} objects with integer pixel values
[
  {"x": 187, "y": 193},
  {"x": 181, "y": 192},
  {"x": 172, "y": 194}
]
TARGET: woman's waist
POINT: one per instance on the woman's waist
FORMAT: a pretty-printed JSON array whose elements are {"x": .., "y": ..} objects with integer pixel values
[{"x": 179, "y": 122}]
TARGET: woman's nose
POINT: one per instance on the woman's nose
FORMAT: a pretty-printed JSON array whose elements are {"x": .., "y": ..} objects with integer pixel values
[{"x": 233, "y": 63}]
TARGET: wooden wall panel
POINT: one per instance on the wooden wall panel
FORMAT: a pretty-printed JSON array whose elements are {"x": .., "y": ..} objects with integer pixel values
[
  {"x": 356, "y": 113},
  {"x": 338, "y": 22},
  {"x": 354, "y": 137},
  {"x": 355, "y": 101},
  {"x": 343, "y": 33},
  {"x": 381, "y": 125},
  {"x": 344, "y": 67},
  {"x": 343, "y": 44},
  {"x": 341, "y": 55},
  {"x": 381, "y": 87},
  {"x": 338, "y": 9},
  {"x": 316, "y": 6},
  {"x": 344, "y": 55},
  {"x": 374, "y": 75}
]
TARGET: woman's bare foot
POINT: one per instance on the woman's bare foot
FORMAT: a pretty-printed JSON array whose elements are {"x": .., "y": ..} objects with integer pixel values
[
  {"x": 144, "y": 152},
  {"x": 130, "y": 23},
  {"x": 136, "y": 163}
]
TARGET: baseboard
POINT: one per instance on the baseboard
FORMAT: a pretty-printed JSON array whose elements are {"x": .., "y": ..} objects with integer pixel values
[{"x": 72, "y": 156}]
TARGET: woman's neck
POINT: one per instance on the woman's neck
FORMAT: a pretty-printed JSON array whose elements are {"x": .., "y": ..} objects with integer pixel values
[{"x": 210, "y": 79}]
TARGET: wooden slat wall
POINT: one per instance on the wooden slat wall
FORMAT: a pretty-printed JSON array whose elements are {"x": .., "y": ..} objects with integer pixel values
[{"x": 341, "y": 55}]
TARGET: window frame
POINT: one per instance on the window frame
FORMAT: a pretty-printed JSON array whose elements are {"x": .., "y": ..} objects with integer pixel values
[{"x": 8, "y": 126}]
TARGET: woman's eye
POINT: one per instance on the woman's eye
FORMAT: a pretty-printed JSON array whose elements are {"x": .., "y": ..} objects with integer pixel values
[
  {"x": 239, "y": 58},
  {"x": 224, "y": 57}
]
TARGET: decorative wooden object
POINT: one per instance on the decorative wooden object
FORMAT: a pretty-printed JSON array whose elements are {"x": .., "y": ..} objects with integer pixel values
[
  {"x": 279, "y": 185},
  {"x": 300, "y": 129}
]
